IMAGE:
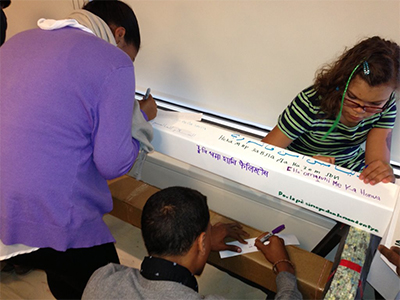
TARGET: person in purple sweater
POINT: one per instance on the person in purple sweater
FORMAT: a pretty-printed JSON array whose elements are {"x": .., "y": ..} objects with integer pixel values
[{"x": 67, "y": 101}]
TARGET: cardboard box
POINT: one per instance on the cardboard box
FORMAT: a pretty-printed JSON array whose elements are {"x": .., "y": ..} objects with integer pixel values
[
  {"x": 130, "y": 195},
  {"x": 320, "y": 187},
  {"x": 312, "y": 271}
]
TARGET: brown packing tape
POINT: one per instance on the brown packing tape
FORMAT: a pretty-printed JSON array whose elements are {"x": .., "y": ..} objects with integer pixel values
[
  {"x": 312, "y": 271},
  {"x": 129, "y": 197}
]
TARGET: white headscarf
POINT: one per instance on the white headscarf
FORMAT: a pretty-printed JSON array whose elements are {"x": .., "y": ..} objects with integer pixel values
[
  {"x": 89, "y": 22},
  {"x": 84, "y": 20}
]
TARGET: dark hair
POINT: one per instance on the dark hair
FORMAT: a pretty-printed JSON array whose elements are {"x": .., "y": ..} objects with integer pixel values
[
  {"x": 383, "y": 58},
  {"x": 172, "y": 219},
  {"x": 5, "y": 3},
  {"x": 115, "y": 12}
]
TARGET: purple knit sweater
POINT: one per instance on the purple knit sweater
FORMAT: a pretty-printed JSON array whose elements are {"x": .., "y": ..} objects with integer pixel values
[{"x": 66, "y": 111}]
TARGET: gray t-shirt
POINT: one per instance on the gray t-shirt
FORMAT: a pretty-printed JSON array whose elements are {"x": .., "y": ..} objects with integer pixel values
[{"x": 115, "y": 281}]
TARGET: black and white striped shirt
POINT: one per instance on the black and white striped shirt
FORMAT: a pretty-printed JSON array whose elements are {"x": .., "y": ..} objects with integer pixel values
[{"x": 303, "y": 122}]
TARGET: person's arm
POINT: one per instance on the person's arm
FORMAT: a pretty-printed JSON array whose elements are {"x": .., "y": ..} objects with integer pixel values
[
  {"x": 114, "y": 150},
  {"x": 295, "y": 120},
  {"x": 149, "y": 107},
  {"x": 393, "y": 255},
  {"x": 275, "y": 252},
  {"x": 220, "y": 231},
  {"x": 277, "y": 138},
  {"x": 291, "y": 127},
  {"x": 377, "y": 157}
]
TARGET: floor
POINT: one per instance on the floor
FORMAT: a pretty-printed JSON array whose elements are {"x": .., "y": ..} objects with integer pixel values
[{"x": 131, "y": 250}]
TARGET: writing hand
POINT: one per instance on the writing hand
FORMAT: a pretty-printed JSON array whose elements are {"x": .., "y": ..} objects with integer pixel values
[
  {"x": 220, "y": 231},
  {"x": 377, "y": 171},
  {"x": 275, "y": 251},
  {"x": 149, "y": 107},
  {"x": 392, "y": 254}
]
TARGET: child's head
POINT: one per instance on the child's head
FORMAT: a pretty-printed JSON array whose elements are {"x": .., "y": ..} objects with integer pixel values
[
  {"x": 382, "y": 59},
  {"x": 172, "y": 219},
  {"x": 176, "y": 221}
]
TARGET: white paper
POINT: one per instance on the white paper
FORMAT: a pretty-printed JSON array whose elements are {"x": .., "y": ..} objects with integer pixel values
[
  {"x": 290, "y": 239},
  {"x": 382, "y": 278},
  {"x": 393, "y": 233},
  {"x": 179, "y": 115},
  {"x": 382, "y": 275}
]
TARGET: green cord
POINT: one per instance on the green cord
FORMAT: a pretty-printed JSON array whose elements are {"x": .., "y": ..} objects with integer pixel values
[{"x": 341, "y": 105}]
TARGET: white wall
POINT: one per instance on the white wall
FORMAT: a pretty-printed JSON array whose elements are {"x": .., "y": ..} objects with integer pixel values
[
  {"x": 247, "y": 59},
  {"x": 244, "y": 59},
  {"x": 23, "y": 14}
]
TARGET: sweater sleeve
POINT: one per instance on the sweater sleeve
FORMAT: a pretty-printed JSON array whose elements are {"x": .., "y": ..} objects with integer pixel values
[
  {"x": 287, "y": 287},
  {"x": 114, "y": 149}
]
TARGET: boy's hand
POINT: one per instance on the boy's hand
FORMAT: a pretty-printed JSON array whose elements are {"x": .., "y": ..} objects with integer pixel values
[{"x": 220, "y": 231}]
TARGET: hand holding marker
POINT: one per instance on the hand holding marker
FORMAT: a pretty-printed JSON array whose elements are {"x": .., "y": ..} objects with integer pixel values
[
  {"x": 148, "y": 105},
  {"x": 275, "y": 231}
]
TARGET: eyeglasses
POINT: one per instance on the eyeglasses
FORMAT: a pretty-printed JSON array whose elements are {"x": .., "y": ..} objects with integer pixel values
[{"x": 366, "y": 108}]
